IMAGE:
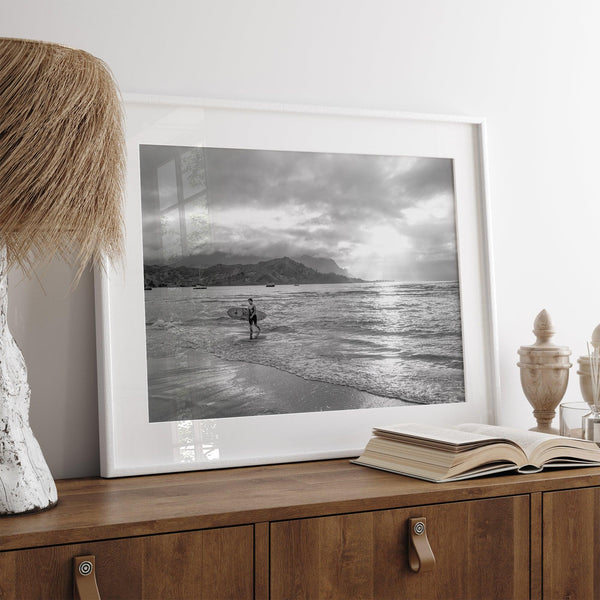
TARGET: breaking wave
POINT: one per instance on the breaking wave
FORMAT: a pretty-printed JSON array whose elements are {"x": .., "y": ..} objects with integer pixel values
[{"x": 392, "y": 340}]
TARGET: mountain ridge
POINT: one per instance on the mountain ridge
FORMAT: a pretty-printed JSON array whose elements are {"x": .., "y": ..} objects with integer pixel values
[
  {"x": 322, "y": 264},
  {"x": 282, "y": 271}
]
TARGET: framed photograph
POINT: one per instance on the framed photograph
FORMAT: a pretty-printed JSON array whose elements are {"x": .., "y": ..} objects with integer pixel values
[{"x": 293, "y": 277}]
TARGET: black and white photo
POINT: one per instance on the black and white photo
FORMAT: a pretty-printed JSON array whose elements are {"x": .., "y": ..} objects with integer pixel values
[{"x": 346, "y": 264}]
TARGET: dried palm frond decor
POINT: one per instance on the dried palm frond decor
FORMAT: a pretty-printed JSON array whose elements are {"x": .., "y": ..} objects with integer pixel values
[{"x": 61, "y": 181}]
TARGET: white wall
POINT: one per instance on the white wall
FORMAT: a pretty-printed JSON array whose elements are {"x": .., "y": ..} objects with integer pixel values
[{"x": 530, "y": 66}]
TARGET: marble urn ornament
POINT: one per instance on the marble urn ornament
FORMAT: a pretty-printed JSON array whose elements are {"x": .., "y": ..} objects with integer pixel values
[{"x": 544, "y": 373}]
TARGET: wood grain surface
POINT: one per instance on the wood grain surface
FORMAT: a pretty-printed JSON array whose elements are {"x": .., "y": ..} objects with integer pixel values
[
  {"x": 537, "y": 544},
  {"x": 571, "y": 567},
  {"x": 325, "y": 529},
  {"x": 261, "y": 561},
  {"x": 100, "y": 509},
  {"x": 481, "y": 549},
  {"x": 213, "y": 564}
]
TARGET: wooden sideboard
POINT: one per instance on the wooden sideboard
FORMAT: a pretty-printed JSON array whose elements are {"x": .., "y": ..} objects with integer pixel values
[{"x": 325, "y": 529}]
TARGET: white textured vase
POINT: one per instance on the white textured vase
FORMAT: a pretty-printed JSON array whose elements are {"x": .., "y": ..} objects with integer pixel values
[{"x": 26, "y": 484}]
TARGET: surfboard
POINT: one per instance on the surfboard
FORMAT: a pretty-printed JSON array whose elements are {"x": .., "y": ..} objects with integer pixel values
[{"x": 241, "y": 313}]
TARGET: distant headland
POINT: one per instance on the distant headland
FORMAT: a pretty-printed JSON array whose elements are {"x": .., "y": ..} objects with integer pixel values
[{"x": 278, "y": 271}]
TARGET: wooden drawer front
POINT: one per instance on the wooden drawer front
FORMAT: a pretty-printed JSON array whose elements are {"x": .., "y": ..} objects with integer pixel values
[
  {"x": 210, "y": 564},
  {"x": 481, "y": 549},
  {"x": 571, "y": 526}
]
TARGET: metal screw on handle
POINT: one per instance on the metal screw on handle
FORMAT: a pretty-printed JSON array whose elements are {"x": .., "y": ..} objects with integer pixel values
[
  {"x": 84, "y": 578},
  {"x": 419, "y": 528}
]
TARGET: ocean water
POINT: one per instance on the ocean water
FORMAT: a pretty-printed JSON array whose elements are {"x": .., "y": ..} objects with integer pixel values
[{"x": 398, "y": 341}]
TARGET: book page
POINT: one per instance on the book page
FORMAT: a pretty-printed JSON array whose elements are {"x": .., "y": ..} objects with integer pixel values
[
  {"x": 527, "y": 440},
  {"x": 438, "y": 434}
]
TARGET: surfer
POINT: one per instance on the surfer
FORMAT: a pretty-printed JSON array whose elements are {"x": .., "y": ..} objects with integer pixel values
[{"x": 252, "y": 317}]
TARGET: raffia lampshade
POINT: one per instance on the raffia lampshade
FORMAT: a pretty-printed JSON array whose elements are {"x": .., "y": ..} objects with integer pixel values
[
  {"x": 61, "y": 154},
  {"x": 61, "y": 181}
]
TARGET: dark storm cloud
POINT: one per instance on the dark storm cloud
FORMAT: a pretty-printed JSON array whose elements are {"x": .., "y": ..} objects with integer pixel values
[
  {"x": 345, "y": 188},
  {"x": 427, "y": 178},
  {"x": 292, "y": 241},
  {"x": 278, "y": 203}
]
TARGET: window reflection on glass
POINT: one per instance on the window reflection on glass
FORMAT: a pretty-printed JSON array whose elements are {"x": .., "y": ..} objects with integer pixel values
[
  {"x": 195, "y": 441},
  {"x": 193, "y": 173},
  {"x": 167, "y": 184},
  {"x": 197, "y": 224},
  {"x": 171, "y": 234},
  {"x": 174, "y": 201}
]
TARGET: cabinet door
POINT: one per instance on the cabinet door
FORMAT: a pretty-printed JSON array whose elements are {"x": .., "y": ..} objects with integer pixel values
[
  {"x": 481, "y": 549},
  {"x": 571, "y": 526},
  {"x": 211, "y": 564}
]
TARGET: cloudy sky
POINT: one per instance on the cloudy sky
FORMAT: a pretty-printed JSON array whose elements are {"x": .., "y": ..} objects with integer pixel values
[{"x": 379, "y": 217}]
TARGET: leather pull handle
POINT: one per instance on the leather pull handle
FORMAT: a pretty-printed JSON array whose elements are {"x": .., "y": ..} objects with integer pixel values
[
  {"x": 420, "y": 555},
  {"x": 84, "y": 578}
]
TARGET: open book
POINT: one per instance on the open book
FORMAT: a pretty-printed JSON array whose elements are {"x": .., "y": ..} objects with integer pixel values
[{"x": 471, "y": 450}]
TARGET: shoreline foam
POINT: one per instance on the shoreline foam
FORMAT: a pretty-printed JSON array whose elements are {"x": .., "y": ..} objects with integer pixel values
[{"x": 199, "y": 385}]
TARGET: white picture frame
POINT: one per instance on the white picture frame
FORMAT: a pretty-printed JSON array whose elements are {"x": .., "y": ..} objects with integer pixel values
[{"x": 130, "y": 444}]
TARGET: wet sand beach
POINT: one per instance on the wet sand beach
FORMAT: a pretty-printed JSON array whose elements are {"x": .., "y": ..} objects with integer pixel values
[{"x": 199, "y": 385}]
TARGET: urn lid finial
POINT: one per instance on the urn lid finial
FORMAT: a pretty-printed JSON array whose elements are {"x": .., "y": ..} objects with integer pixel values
[{"x": 544, "y": 329}]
